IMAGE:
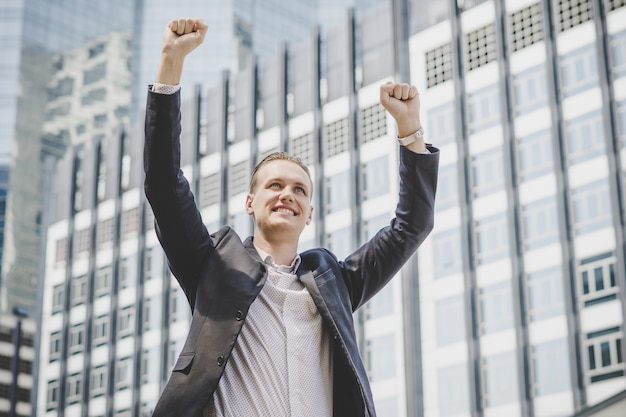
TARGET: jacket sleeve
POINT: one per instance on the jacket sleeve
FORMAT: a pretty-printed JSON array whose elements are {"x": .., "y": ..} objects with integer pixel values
[
  {"x": 368, "y": 269},
  {"x": 178, "y": 223}
]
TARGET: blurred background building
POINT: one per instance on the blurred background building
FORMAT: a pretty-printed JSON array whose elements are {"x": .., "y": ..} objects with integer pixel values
[{"x": 514, "y": 306}]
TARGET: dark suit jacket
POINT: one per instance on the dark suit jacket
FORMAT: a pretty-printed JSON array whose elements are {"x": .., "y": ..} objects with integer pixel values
[{"x": 222, "y": 276}]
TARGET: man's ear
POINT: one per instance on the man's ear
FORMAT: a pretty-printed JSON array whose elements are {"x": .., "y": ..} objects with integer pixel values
[
  {"x": 249, "y": 208},
  {"x": 308, "y": 220}
]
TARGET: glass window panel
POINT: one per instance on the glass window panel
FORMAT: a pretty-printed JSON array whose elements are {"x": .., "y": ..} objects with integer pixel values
[
  {"x": 500, "y": 379},
  {"x": 452, "y": 382}
]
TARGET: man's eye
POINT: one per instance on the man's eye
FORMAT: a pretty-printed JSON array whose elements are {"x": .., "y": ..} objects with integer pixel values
[
  {"x": 274, "y": 185},
  {"x": 301, "y": 190}
]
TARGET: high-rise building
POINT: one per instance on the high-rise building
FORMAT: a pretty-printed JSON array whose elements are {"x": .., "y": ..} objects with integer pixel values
[
  {"x": 35, "y": 30},
  {"x": 523, "y": 282},
  {"x": 17, "y": 356},
  {"x": 115, "y": 317}
]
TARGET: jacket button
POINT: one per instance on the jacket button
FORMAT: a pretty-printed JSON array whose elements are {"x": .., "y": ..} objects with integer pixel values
[
  {"x": 239, "y": 315},
  {"x": 220, "y": 361}
]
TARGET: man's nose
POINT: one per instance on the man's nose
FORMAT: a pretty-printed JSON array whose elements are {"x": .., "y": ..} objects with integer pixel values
[{"x": 287, "y": 194}]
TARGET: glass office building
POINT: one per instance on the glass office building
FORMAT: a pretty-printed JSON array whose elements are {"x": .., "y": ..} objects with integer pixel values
[{"x": 34, "y": 30}]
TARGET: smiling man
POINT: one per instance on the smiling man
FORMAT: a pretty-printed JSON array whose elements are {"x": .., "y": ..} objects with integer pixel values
[{"x": 272, "y": 331}]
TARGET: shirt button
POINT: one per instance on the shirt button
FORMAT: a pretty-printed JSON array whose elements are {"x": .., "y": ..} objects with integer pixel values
[
  {"x": 239, "y": 315},
  {"x": 220, "y": 361}
]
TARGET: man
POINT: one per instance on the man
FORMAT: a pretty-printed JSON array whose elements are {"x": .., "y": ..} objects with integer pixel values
[{"x": 272, "y": 331}]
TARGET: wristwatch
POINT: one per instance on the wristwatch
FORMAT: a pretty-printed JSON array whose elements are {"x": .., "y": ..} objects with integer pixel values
[{"x": 407, "y": 140}]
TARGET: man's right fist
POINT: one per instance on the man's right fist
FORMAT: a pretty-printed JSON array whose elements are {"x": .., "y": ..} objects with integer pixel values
[{"x": 181, "y": 36}]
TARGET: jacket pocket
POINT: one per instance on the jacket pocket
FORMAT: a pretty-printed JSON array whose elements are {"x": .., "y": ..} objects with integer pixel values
[{"x": 183, "y": 364}]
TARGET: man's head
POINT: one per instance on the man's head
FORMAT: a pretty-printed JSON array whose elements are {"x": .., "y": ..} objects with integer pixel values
[
  {"x": 280, "y": 196},
  {"x": 278, "y": 156}
]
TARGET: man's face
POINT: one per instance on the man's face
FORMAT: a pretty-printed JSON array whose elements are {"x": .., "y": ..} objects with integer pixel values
[{"x": 281, "y": 200}]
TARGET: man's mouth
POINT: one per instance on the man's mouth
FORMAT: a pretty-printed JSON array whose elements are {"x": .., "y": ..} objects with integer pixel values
[{"x": 285, "y": 210}]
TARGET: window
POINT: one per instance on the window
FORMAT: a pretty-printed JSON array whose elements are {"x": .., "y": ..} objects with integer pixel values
[
  {"x": 82, "y": 240},
  {"x": 74, "y": 389},
  {"x": 603, "y": 350},
  {"x": 123, "y": 373},
  {"x": 179, "y": 306},
  {"x": 621, "y": 123},
  {"x": 535, "y": 155},
  {"x": 540, "y": 223},
  {"x": 615, "y": 4},
  {"x": 488, "y": 172},
  {"x": 58, "y": 296},
  {"x": 101, "y": 179},
  {"x": 373, "y": 123},
  {"x": 381, "y": 304},
  {"x": 438, "y": 65},
  {"x": 579, "y": 70},
  {"x": 491, "y": 239},
  {"x": 441, "y": 124},
  {"x": 98, "y": 381},
  {"x": 55, "y": 346},
  {"x": 337, "y": 192},
  {"x": 618, "y": 51},
  {"x": 336, "y": 138},
  {"x": 452, "y": 382},
  {"x": 79, "y": 290},
  {"x": 130, "y": 223},
  {"x": 447, "y": 188},
  {"x": 572, "y": 13},
  {"x": 126, "y": 322},
  {"x": 387, "y": 407},
  {"x": 585, "y": 137},
  {"x": 339, "y": 242},
  {"x": 210, "y": 190},
  {"x": 94, "y": 74},
  {"x": 450, "y": 320},
  {"x": 238, "y": 178},
  {"x": 484, "y": 108},
  {"x": 480, "y": 47},
  {"x": 61, "y": 250},
  {"x": 550, "y": 367},
  {"x": 303, "y": 147},
  {"x": 592, "y": 208},
  {"x": 104, "y": 234},
  {"x": 526, "y": 26},
  {"x": 152, "y": 308},
  {"x": 381, "y": 358},
  {"x": 372, "y": 225},
  {"x": 52, "y": 396},
  {"x": 530, "y": 90},
  {"x": 545, "y": 293},
  {"x": 496, "y": 310},
  {"x": 242, "y": 223},
  {"x": 597, "y": 280},
  {"x": 447, "y": 253},
  {"x": 77, "y": 339},
  {"x": 101, "y": 331},
  {"x": 150, "y": 360},
  {"x": 103, "y": 281},
  {"x": 376, "y": 178},
  {"x": 500, "y": 379},
  {"x": 154, "y": 262},
  {"x": 128, "y": 272}
]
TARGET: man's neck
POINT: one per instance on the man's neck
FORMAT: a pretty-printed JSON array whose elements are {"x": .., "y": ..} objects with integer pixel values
[{"x": 283, "y": 253}]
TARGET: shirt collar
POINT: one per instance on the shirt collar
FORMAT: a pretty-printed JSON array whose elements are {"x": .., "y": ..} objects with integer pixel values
[{"x": 267, "y": 258}]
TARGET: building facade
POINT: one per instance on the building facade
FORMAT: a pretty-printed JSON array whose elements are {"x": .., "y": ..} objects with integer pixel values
[
  {"x": 17, "y": 356},
  {"x": 522, "y": 283},
  {"x": 115, "y": 319}
]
